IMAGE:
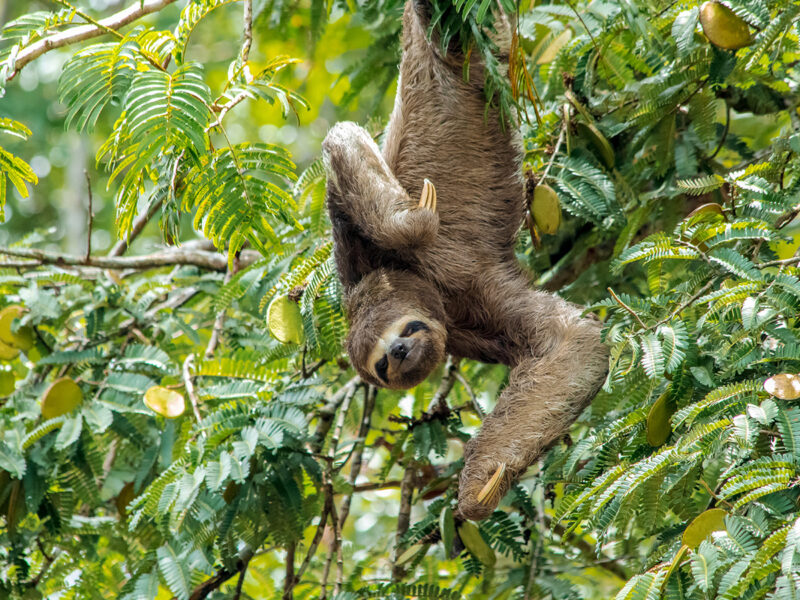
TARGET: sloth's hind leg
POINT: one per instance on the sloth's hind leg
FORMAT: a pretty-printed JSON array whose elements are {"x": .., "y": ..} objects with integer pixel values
[{"x": 544, "y": 396}]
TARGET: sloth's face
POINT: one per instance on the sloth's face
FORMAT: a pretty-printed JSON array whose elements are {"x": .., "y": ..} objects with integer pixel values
[{"x": 403, "y": 353}]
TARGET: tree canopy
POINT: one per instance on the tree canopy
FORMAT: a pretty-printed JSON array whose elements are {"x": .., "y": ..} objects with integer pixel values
[{"x": 178, "y": 418}]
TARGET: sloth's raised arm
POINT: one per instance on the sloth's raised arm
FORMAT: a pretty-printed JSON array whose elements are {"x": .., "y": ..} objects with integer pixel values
[{"x": 363, "y": 189}]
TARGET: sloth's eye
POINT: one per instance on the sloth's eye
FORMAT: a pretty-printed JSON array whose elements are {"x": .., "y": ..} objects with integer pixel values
[
  {"x": 380, "y": 368},
  {"x": 413, "y": 327}
]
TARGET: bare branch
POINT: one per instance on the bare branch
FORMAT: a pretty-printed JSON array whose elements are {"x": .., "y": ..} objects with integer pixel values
[
  {"x": 370, "y": 392},
  {"x": 84, "y": 32},
  {"x": 219, "y": 322},
  {"x": 221, "y": 576},
  {"x": 122, "y": 245},
  {"x": 213, "y": 261},
  {"x": 248, "y": 30},
  {"x": 187, "y": 381},
  {"x": 91, "y": 216},
  {"x": 473, "y": 398},
  {"x": 327, "y": 412},
  {"x": 403, "y": 517},
  {"x": 289, "y": 579},
  {"x": 445, "y": 385}
]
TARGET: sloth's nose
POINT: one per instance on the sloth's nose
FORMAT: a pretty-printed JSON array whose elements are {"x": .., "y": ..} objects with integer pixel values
[{"x": 399, "y": 350}]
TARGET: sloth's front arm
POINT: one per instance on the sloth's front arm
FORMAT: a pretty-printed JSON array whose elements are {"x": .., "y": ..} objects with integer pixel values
[{"x": 361, "y": 185}]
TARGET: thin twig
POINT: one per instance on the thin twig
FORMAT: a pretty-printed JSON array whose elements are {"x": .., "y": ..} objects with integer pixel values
[
  {"x": 561, "y": 134},
  {"x": 709, "y": 284},
  {"x": 626, "y": 307},
  {"x": 714, "y": 495},
  {"x": 187, "y": 382},
  {"x": 724, "y": 131},
  {"x": 445, "y": 385},
  {"x": 223, "y": 110},
  {"x": 90, "y": 19},
  {"x": 473, "y": 398},
  {"x": 219, "y": 322},
  {"x": 213, "y": 261},
  {"x": 335, "y": 521},
  {"x": 289, "y": 579},
  {"x": 138, "y": 225},
  {"x": 370, "y": 392},
  {"x": 782, "y": 262},
  {"x": 403, "y": 517},
  {"x": 248, "y": 30},
  {"x": 537, "y": 547},
  {"x": 336, "y": 540},
  {"x": 221, "y": 576},
  {"x": 328, "y": 411},
  {"x": 91, "y": 216},
  {"x": 238, "y": 593},
  {"x": 79, "y": 34}
]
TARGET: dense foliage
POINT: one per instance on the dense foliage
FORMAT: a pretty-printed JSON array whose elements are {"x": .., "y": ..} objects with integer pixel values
[{"x": 678, "y": 164}]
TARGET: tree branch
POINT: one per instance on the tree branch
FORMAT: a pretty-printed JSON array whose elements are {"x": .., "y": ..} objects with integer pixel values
[
  {"x": 79, "y": 34},
  {"x": 187, "y": 382},
  {"x": 209, "y": 585},
  {"x": 213, "y": 261},
  {"x": 403, "y": 517}
]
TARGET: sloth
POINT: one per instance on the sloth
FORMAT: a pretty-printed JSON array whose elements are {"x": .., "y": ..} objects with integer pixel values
[{"x": 424, "y": 232}]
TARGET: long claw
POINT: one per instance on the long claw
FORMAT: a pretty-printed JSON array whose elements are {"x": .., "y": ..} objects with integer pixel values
[
  {"x": 490, "y": 491},
  {"x": 424, "y": 198},
  {"x": 428, "y": 197}
]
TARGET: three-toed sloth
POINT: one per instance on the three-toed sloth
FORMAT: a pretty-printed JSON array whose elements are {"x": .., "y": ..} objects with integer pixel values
[{"x": 424, "y": 232}]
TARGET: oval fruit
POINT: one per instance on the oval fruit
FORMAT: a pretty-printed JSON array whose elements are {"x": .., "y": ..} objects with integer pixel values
[
  {"x": 598, "y": 141},
  {"x": 723, "y": 27},
  {"x": 702, "y": 526},
  {"x": 474, "y": 542},
  {"x": 63, "y": 396},
  {"x": 7, "y": 383},
  {"x": 546, "y": 209},
  {"x": 785, "y": 386},
  {"x": 124, "y": 498},
  {"x": 21, "y": 339},
  {"x": 167, "y": 403},
  {"x": 658, "y": 425},
  {"x": 7, "y": 352},
  {"x": 412, "y": 553},
  {"x": 285, "y": 321},
  {"x": 447, "y": 527}
]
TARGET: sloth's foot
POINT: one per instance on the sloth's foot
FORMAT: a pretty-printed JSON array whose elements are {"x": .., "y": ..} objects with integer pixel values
[{"x": 428, "y": 197}]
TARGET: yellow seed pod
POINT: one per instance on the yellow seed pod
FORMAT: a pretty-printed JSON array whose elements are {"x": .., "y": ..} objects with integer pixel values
[
  {"x": 8, "y": 383},
  {"x": 21, "y": 339},
  {"x": 595, "y": 138},
  {"x": 7, "y": 352},
  {"x": 658, "y": 425},
  {"x": 123, "y": 499},
  {"x": 285, "y": 321},
  {"x": 702, "y": 526},
  {"x": 471, "y": 537},
  {"x": 785, "y": 386},
  {"x": 546, "y": 209},
  {"x": 723, "y": 27},
  {"x": 62, "y": 397},
  {"x": 167, "y": 403}
]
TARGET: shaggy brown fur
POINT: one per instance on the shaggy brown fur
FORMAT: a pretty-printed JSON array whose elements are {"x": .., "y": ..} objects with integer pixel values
[{"x": 453, "y": 268}]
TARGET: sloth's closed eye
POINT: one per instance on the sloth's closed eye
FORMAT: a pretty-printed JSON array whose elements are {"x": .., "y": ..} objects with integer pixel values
[
  {"x": 413, "y": 327},
  {"x": 381, "y": 367}
]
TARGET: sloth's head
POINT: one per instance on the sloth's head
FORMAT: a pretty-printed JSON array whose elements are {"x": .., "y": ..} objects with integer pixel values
[{"x": 397, "y": 333}]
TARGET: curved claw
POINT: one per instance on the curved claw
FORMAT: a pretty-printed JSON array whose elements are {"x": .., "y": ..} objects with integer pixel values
[
  {"x": 488, "y": 496},
  {"x": 428, "y": 197}
]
